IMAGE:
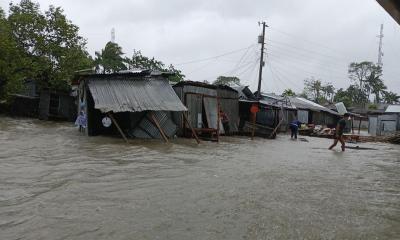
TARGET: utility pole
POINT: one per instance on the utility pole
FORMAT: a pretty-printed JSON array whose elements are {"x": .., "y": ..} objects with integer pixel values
[
  {"x": 380, "y": 53},
  {"x": 261, "y": 39}
]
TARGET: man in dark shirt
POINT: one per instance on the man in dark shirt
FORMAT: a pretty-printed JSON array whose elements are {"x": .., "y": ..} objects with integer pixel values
[
  {"x": 339, "y": 132},
  {"x": 294, "y": 128}
]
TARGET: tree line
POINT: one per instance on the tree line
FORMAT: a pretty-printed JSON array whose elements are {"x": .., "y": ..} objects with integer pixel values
[
  {"x": 366, "y": 88},
  {"x": 46, "y": 47}
]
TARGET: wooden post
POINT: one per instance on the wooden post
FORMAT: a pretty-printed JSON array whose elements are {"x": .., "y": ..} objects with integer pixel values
[
  {"x": 218, "y": 119},
  {"x": 352, "y": 125},
  {"x": 254, "y": 125},
  {"x": 158, "y": 126},
  {"x": 359, "y": 126},
  {"x": 116, "y": 124},
  {"x": 190, "y": 126}
]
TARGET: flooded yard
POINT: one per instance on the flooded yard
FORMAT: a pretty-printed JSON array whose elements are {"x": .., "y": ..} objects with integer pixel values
[{"x": 58, "y": 184}]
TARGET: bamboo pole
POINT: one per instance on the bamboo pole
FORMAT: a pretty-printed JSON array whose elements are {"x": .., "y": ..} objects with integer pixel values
[
  {"x": 116, "y": 124},
  {"x": 190, "y": 126},
  {"x": 159, "y": 127},
  {"x": 254, "y": 115},
  {"x": 218, "y": 119}
]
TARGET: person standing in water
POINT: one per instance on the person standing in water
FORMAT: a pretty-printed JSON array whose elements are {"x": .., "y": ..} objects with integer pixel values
[
  {"x": 294, "y": 128},
  {"x": 339, "y": 132}
]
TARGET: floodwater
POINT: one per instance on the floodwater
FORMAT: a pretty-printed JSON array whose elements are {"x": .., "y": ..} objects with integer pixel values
[{"x": 57, "y": 184}]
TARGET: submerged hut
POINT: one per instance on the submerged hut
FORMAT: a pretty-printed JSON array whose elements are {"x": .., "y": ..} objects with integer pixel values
[
  {"x": 204, "y": 102},
  {"x": 387, "y": 123},
  {"x": 276, "y": 111},
  {"x": 310, "y": 112},
  {"x": 134, "y": 104},
  {"x": 26, "y": 103},
  {"x": 56, "y": 105}
]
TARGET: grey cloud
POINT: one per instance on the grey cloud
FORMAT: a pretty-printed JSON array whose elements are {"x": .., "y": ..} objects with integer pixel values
[{"x": 323, "y": 36}]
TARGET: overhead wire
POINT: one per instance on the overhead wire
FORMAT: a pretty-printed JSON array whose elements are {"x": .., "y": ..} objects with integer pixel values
[
  {"x": 306, "y": 40},
  {"x": 293, "y": 64},
  {"x": 305, "y": 50},
  {"x": 307, "y": 59},
  {"x": 213, "y": 57}
]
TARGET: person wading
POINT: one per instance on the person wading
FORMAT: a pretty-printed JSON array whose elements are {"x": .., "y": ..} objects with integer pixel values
[
  {"x": 294, "y": 128},
  {"x": 339, "y": 132}
]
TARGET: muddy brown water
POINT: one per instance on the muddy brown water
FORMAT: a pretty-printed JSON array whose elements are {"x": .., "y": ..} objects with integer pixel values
[{"x": 57, "y": 184}]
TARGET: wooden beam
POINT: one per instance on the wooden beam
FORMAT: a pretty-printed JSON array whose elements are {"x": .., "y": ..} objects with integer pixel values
[
  {"x": 190, "y": 126},
  {"x": 116, "y": 124},
  {"x": 158, "y": 126}
]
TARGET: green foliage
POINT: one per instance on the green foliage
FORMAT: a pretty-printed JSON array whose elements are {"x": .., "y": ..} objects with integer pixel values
[
  {"x": 224, "y": 80},
  {"x": 372, "y": 107},
  {"x": 288, "y": 93},
  {"x": 110, "y": 59},
  {"x": 138, "y": 61},
  {"x": 343, "y": 96},
  {"x": 390, "y": 97},
  {"x": 367, "y": 76},
  {"x": 328, "y": 91},
  {"x": 313, "y": 88},
  {"x": 45, "y": 47}
]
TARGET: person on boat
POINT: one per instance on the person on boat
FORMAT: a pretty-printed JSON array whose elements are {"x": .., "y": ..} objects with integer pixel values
[
  {"x": 294, "y": 128},
  {"x": 341, "y": 125}
]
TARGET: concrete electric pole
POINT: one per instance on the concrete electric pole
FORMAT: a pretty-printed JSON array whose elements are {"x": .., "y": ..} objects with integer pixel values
[
  {"x": 380, "y": 53},
  {"x": 261, "y": 40}
]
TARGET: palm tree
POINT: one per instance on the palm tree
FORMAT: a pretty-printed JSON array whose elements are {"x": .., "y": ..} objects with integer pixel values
[
  {"x": 390, "y": 97},
  {"x": 376, "y": 86},
  {"x": 288, "y": 93}
]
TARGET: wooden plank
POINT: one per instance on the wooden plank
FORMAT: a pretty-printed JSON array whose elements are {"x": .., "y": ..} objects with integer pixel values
[
  {"x": 158, "y": 126},
  {"x": 190, "y": 126},
  {"x": 117, "y": 125}
]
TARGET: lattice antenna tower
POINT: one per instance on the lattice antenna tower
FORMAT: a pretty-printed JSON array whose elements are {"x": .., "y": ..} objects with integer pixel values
[
  {"x": 380, "y": 53},
  {"x": 113, "y": 35}
]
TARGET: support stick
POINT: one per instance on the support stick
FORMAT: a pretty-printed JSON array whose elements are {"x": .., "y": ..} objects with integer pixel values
[
  {"x": 159, "y": 127},
  {"x": 116, "y": 124},
  {"x": 190, "y": 126},
  {"x": 254, "y": 126}
]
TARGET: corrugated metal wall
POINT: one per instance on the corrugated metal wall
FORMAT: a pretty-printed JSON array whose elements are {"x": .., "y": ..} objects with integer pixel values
[
  {"x": 147, "y": 130},
  {"x": 44, "y": 103},
  {"x": 229, "y": 103}
]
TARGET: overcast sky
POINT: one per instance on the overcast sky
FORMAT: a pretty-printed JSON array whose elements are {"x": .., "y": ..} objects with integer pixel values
[{"x": 305, "y": 38}]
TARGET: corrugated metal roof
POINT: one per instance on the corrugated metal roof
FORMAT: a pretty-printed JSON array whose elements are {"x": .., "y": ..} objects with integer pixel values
[
  {"x": 302, "y": 103},
  {"x": 277, "y": 101},
  {"x": 393, "y": 109},
  {"x": 133, "y": 95},
  {"x": 245, "y": 93}
]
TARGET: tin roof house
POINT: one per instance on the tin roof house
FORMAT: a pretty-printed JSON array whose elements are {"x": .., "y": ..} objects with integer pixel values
[
  {"x": 312, "y": 113},
  {"x": 205, "y": 103},
  {"x": 387, "y": 123},
  {"x": 140, "y": 104}
]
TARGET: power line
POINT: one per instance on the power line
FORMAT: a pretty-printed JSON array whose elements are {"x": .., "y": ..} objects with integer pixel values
[
  {"x": 308, "y": 60},
  {"x": 230, "y": 71},
  {"x": 214, "y": 57},
  {"x": 307, "y": 50},
  {"x": 294, "y": 65},
  {"x": 304, "y": 63},
  {"x": 286, "y": 77},
  {"x": 306, "y": 40}
]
